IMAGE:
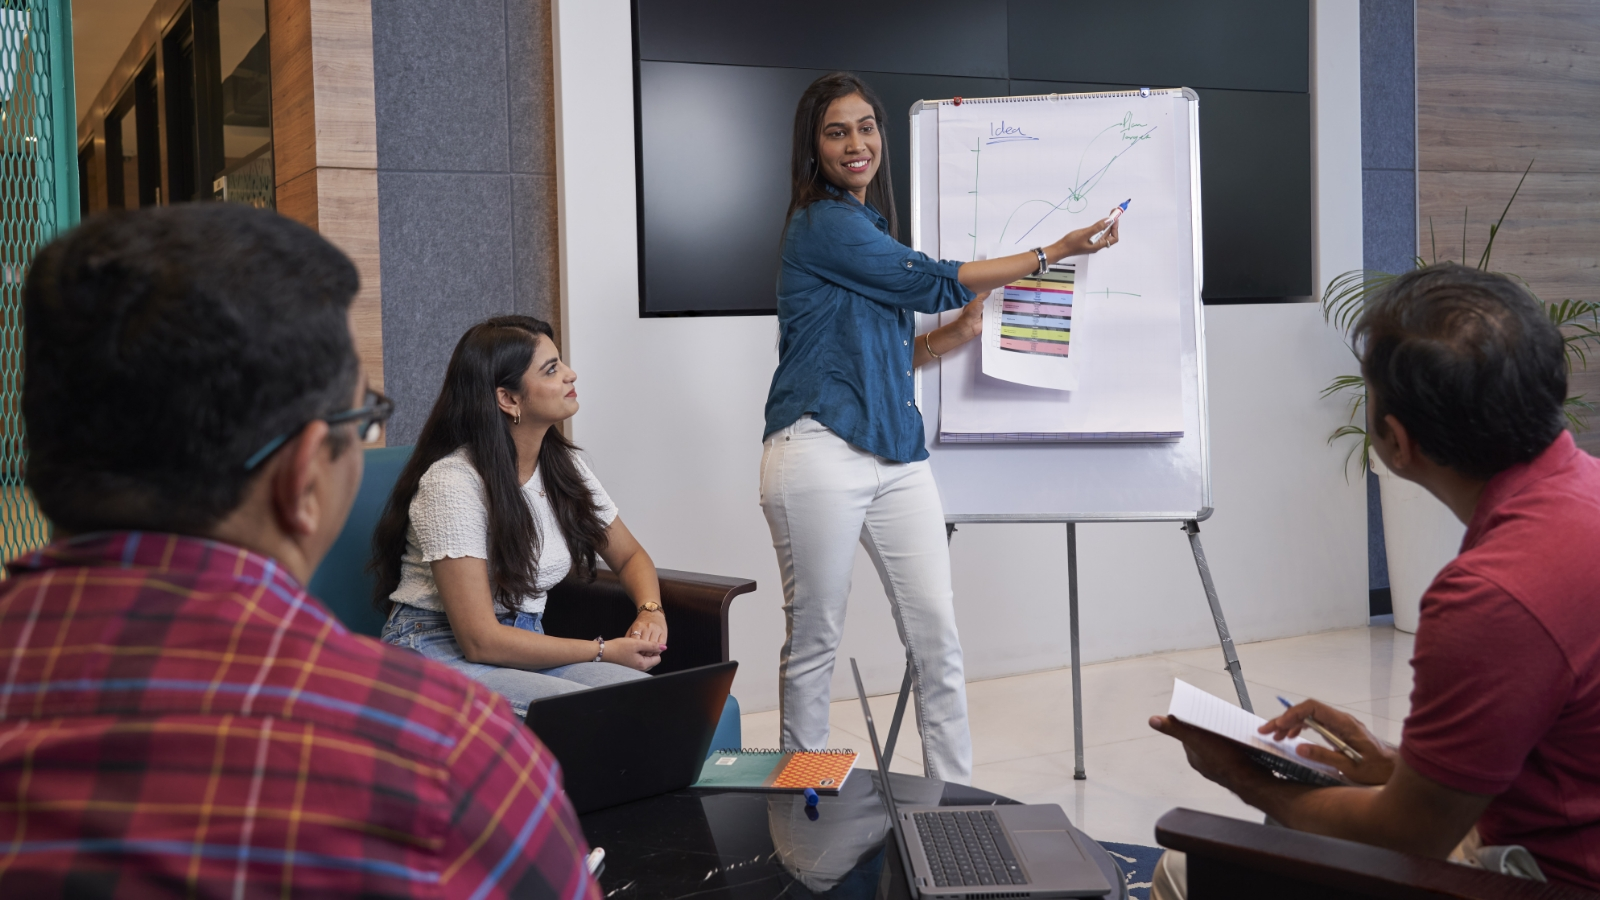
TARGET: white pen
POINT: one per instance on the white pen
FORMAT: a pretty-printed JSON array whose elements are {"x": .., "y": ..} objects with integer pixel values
[
  {"x": 1111, "y": 220},
  {"x": 595, "y": 858}
]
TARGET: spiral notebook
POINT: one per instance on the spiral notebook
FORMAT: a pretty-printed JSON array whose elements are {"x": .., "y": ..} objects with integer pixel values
[
  {"x": 1218, "y": 716},
  {"x": 777, "y": 771}
]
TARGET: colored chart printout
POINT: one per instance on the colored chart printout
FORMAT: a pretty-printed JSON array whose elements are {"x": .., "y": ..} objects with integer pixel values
[
  {"x": 1036, "y": 314},
  {"x": 1027, "y": 330}
]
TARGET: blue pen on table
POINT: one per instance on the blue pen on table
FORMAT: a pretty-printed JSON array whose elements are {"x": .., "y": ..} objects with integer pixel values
[
  {"x": 1332, "y": 738},
  {"x": 1111, "y": 220}
]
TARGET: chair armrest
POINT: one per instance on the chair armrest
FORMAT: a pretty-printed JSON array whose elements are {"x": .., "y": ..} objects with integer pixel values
[
  {"x": 697, "y": 617},
  {"x": 696, "y": 607},
  {"x": 1230, "y": 858}
]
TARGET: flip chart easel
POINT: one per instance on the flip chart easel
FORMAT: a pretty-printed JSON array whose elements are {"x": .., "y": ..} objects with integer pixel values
[{"x": 1081, "y": 482}]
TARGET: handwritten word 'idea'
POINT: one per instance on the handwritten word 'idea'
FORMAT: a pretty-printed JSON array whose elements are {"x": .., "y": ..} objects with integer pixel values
[{"x": 1003, "y": 133}]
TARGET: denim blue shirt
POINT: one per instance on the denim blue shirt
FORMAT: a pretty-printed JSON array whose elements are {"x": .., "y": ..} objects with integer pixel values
[{"x": 846, "y": 294}]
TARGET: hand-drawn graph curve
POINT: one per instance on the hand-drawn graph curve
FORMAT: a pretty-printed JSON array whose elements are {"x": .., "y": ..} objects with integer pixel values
[{"x": 1099, "y": 154}]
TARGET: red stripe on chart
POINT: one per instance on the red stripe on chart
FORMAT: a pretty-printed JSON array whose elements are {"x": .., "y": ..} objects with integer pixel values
[{"x": 1058, "y": 310}]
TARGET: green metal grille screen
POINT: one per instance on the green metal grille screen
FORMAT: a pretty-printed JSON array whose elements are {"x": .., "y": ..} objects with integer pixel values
[{"x": 38, "y": 198}]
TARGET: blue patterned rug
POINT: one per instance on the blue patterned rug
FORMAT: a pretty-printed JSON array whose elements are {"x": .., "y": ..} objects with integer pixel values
[{"x": 1138, "y": 862}]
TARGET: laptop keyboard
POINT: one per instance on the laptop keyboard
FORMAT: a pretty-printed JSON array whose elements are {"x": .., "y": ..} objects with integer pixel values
[{"x": 967, "y": 847}]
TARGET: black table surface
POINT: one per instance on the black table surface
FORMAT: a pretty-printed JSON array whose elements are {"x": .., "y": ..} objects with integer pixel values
[{"x": 746, "y": 845}]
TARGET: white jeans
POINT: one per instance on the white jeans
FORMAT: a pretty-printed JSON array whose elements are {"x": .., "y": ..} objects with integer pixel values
[{"x": 821, "y": 495}]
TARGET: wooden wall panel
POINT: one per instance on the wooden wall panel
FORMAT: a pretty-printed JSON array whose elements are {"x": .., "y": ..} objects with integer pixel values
[
  {"x": 341, "y": 49},
  {"x": 347, "y": 215},
  {"x": 294, "y": 119},
  {"x": 324, "y": 134},
  {"x": 1501, "y": 83},
  {"x": 1551, "y": 237}
]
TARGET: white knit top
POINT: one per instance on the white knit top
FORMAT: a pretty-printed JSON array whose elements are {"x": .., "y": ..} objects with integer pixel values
[{"x": 450, "y": 520}]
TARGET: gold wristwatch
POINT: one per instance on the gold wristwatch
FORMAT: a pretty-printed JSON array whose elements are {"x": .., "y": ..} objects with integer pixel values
[{"x": 649, "y": 606}]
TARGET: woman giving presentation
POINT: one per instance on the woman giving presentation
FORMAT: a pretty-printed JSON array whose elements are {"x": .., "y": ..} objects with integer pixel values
[{"x": 843, "y": 457}]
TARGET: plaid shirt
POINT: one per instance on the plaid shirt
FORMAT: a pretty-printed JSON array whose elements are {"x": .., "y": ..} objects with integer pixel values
[{"x": 179, "y": 717}]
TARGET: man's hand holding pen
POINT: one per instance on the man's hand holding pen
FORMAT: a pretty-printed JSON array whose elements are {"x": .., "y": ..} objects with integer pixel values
[{"x": 1376, "y": 759}]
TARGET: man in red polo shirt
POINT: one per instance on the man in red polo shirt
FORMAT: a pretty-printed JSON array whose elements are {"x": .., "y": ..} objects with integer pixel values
[
  {"x": 177, "y": 716},
  {"x": 1466, "y": 378}
]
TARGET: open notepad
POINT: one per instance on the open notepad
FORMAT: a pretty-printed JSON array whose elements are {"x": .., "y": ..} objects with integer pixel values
[{"x": 1216, "y": 715}]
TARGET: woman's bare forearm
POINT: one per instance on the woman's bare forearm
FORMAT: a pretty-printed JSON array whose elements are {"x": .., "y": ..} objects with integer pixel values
[
  {"x": 944, "y": 339},
  {"x": 514, "y": 648},
  {"x": 988, "y": 274}
]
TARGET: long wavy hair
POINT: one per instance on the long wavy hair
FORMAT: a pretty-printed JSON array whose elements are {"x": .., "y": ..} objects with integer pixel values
[
  {"x": 495, "y": 353},
  {"x": 807, "y": 184}
]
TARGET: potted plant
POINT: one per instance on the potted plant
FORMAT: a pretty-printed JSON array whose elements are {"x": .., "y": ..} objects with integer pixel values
[{"x": 1420, "y": 534}]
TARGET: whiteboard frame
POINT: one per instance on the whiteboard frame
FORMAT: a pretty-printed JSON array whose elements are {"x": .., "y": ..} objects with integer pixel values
[{"x": 1204, "y": 436}]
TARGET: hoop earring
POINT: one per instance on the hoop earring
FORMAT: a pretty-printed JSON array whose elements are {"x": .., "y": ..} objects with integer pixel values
[{"x": 517, "y": 418}]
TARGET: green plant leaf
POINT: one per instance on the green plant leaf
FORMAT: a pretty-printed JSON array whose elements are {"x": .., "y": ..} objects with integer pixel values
[
  {"x": 1576, "y": 410},
  {"x": 1347, "y": 295},
  {"x": 1483, "y": 261}
]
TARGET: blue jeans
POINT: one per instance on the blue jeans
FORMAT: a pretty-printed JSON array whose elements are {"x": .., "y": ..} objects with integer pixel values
[{"x": 429, "y": 633}]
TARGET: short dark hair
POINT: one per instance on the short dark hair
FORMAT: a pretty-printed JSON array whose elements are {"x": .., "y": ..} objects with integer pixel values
[
  {"x": 163, "y": 346},
  {"x": 1468, "y": 362}
]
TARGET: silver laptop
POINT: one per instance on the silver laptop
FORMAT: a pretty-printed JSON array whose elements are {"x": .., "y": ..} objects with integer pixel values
[{"x": 982, "y": 852}]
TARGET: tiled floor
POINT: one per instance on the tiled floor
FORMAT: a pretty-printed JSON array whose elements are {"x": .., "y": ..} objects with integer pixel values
[{"x": 1022, "y": 726}]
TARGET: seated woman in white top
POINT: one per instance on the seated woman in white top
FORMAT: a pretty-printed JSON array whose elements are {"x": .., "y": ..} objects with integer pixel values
[{"x": 494, "y": 509}]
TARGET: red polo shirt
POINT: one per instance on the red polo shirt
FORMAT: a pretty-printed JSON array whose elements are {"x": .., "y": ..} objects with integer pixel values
[{"x": 1506, "y": 699}]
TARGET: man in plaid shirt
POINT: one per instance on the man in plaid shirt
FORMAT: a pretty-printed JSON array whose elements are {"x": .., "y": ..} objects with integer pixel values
[{"x": 177, "y": 715}]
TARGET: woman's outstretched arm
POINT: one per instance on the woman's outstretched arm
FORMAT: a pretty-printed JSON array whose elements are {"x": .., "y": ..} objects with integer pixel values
[
  {"x": 637, "y": 572},
  {"x": 988, "y": 274},
  {"x": 469, "y": 603}
]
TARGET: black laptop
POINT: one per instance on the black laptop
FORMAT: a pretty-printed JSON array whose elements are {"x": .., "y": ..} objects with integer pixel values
[{"x": 637, "y": 739}]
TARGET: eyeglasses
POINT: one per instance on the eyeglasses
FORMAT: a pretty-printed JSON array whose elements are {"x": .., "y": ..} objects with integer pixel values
[{"x": 369, "y": 418}]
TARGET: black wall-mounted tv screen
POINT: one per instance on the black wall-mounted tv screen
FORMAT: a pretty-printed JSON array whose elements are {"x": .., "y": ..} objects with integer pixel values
[{"x": 717, "y": 82}]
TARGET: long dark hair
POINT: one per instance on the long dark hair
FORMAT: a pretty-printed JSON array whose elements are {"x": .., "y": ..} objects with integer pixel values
[
  {"x": 495, "y": 353},
  {"x": 806, "y": 182}
]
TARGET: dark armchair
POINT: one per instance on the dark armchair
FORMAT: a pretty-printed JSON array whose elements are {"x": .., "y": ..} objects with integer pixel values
[
  {"x": 696, "y": 606},
  {"x": 1237, "y": 860}
]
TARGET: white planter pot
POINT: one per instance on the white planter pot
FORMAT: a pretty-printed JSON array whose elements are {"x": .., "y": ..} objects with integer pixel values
[{"x": 1420, "y": 535}]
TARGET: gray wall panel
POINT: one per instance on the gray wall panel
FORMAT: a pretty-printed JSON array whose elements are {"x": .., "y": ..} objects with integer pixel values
[
  {"x": 1389, "y": 214},
  {"x": 1388, "y": 184},
  {"x": 531, "y": 85},
  {"x": 448, "y": 236},
  {"x": 466, "y": 181},
  {"x": 439, "y": 74},
  {"x": 537, "y": 287},
  {"x": 1388, "y": 84}
]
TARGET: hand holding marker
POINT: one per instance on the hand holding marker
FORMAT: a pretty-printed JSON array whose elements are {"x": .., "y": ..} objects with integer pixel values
[{"x": 1111, "y": 220}]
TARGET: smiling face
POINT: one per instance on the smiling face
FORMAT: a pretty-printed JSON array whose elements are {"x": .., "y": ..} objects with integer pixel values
[
  {"x": 849, "y": 146},
  {"x": 549, "y": 394}
]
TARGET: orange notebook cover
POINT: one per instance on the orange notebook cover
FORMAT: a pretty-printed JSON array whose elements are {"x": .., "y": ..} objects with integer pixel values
[{"x": 824, "y": 771}]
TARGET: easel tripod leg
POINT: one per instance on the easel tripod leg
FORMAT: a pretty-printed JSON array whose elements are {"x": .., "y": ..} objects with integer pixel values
[
  {"x": 1077, "y": 679},
  {"x": 1192, "y": 528}
]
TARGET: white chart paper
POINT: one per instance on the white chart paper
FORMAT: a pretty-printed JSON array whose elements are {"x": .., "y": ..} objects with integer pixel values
[{"x": 1017, "y": 174}]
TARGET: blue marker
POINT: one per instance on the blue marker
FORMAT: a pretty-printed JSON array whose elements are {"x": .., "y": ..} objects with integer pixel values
[
  {"x": 1111, "y": 220},
  {"x": 811, "y": 797}
]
